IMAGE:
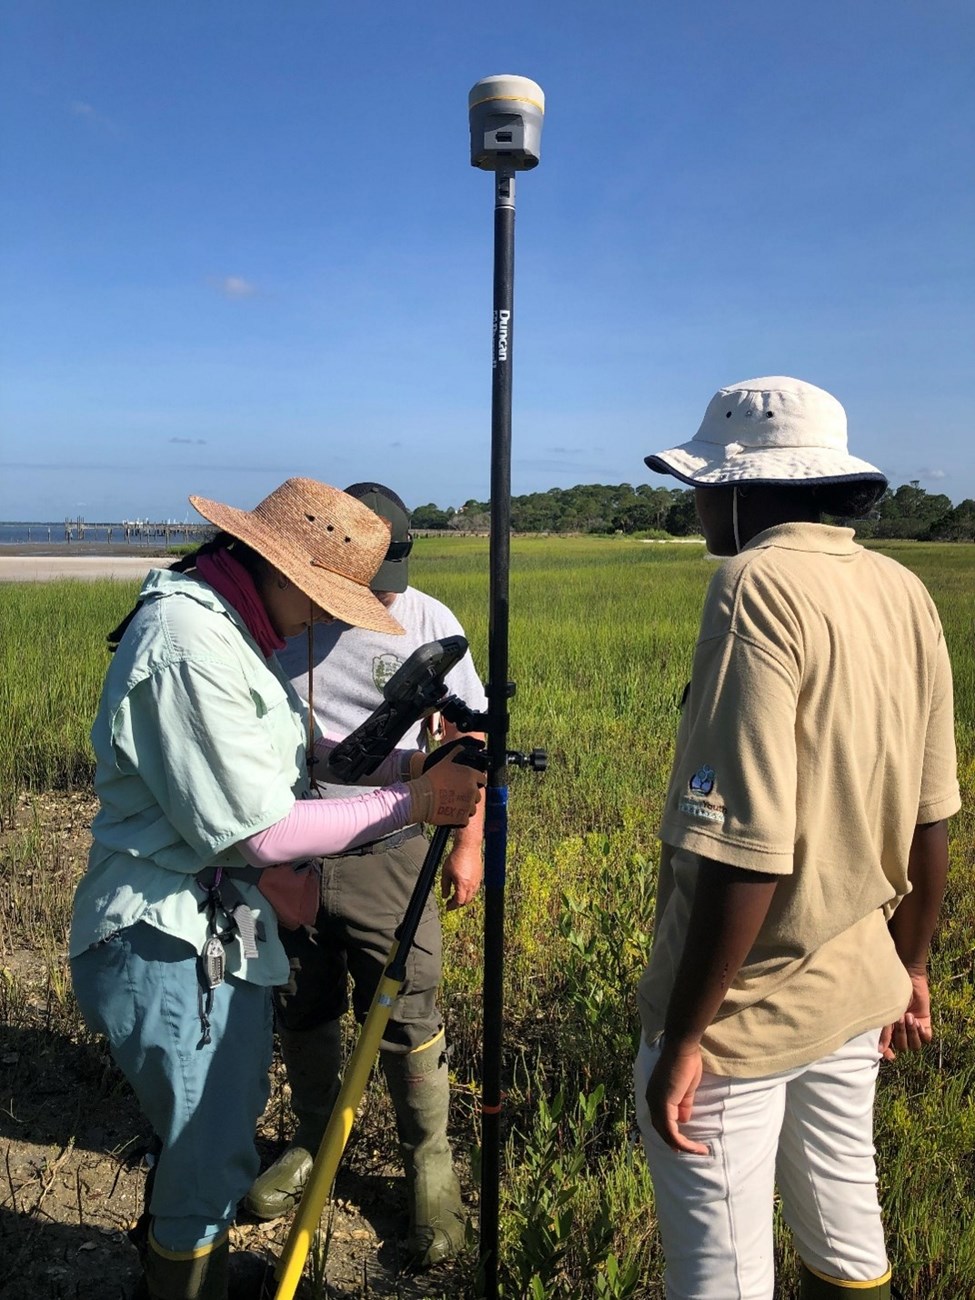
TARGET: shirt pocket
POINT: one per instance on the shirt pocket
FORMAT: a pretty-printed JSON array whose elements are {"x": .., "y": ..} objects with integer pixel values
[
  {"x": 284, "y": 720},
  {"x": 268, "y": 694}
]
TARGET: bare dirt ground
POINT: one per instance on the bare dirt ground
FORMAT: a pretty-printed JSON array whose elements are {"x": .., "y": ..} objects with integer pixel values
[
  {"x": 40, "y": 562},
  {"x": 72, "y": 1139}
]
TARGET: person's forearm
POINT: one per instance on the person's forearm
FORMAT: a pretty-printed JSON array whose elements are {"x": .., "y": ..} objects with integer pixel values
[
  {"x": 727, "y": 913},
  {"x": 913, "y": 924},
  {"x": 315, "y": 827},
  {"x": 470, "y": 836},
  {"x": 394, "y": 767}
]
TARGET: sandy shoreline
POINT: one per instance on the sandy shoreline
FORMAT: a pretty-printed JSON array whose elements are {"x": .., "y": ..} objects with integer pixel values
[{"x": 85, "y": 561}]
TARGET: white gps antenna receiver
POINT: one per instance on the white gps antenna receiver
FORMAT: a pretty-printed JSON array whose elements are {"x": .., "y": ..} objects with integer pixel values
[{"x": 506, "y": 114}]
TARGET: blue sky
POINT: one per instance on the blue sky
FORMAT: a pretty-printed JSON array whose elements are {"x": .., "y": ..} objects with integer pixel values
[{"x": 243, "y": 240}]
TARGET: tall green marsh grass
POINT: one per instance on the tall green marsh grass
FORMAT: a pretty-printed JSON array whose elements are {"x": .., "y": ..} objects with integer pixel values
[
  {"x": 52, "y": 662},
  {"x": 602, "y": 640},
  {"x": 602, "y": 635}
]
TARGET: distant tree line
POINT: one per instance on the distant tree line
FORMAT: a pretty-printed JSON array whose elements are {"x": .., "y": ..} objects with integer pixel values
[
  {"x": 909, "y": 511},
  {"x": 906, "y": 512}
]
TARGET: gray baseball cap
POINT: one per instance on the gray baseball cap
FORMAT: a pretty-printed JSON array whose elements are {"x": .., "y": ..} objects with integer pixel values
[{"x": 393, "y": 573}]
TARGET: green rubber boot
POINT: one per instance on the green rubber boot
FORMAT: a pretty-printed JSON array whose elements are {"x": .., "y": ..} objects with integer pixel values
[
  {"x": 814, "y": 1286},
  {"x": 419, "y": 1087},
  {"x": 313, "y": 1060},
  {"x": 199, "y": 1274}
]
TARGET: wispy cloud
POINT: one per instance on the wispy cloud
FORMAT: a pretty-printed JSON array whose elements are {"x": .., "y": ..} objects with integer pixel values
[
  {"x": 190, "y": 442},
  {"x": 933, "y": 473},
  {"x": 89, "y": 113},
  {"x": 233, "y": 286},
  {"x": 568, "y": 463},
  {"x": 118, "y": 466}
]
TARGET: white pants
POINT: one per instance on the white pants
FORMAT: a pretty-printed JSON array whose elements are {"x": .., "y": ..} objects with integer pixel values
[{"x": 810, "y": 1131}]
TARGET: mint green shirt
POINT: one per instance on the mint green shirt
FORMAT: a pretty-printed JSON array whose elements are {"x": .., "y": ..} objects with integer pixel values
[{"x": 200, "y": 743}]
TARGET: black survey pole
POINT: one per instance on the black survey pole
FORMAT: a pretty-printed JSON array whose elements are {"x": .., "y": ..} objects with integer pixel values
[
  {"x": 496, "y": 820},
  {"x": 506, "y": 121}
]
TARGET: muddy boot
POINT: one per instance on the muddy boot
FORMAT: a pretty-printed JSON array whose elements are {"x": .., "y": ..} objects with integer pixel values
[
  {"x": 313, "y": 1059},
  {"x": 419, "y": 1088},
  {"x": 199, "y": 1274}
]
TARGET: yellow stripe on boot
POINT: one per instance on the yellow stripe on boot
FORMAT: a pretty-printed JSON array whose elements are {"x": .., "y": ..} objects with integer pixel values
[
  {"x": 819, "y": 1286},
  {"x": 198, "y": 1274},
  {"x": 419, "y": 1088}
]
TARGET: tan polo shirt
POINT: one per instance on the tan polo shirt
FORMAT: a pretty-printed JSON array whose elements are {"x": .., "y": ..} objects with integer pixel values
[{"x": 816, "y": 734}]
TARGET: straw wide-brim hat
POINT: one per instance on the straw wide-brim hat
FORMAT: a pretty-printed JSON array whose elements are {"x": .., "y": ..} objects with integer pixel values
[
  {"x": 775, "y": 431},
  {"x": 327, "y": 543}
]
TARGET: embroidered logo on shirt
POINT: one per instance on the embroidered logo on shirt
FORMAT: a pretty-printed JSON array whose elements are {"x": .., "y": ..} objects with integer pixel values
[
  {"x": 702, "y": 782},
  {"x": 702, "y": 810},
  {"x": 383, "y": 667}
]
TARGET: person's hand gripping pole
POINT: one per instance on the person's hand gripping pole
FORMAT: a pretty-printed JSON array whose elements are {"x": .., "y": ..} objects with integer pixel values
[
  {"x": 449, "y": 785},
  {"x": 448, "y": 789}
]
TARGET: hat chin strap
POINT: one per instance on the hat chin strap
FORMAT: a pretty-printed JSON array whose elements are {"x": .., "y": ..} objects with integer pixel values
[
  {"x": 734, "y": 518},
  {"x": 310, "y": 643}
]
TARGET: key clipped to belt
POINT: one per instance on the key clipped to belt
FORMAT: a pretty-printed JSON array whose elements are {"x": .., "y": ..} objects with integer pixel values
[{"x": 214, "y": 962}]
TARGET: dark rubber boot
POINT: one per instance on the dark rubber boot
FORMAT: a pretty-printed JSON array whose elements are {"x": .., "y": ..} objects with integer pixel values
[
  {"x": 313, "y": 1060},
  {"x": 419, "y": 1087},
  {"x": 251, "y": 1276},
  {"x": 199, "y": 1274},
  {"x": 814, "y": 1286}
]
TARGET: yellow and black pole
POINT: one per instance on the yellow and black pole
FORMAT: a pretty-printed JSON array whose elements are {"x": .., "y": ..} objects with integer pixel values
[
  {"x": 356, "y": 1077},
  {"x": 413, "y": 690}
]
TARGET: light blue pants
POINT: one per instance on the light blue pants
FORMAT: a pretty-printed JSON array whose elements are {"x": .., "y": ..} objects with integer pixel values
[{"x": 140, "y": 989}]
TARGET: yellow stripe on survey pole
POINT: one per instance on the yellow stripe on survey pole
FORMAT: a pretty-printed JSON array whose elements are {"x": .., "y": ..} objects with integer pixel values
[{"x": 329, "y": 1157}]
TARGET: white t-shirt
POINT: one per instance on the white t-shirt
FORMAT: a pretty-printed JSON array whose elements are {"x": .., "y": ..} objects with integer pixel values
[{"x": 352, "y": 664}]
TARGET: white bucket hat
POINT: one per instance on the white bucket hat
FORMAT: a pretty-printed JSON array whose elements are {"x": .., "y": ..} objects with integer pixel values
[{"x": 774, "y": 430}]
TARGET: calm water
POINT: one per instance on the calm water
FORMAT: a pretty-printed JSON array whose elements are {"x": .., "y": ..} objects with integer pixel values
[{"x": 110, "y": 534}]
